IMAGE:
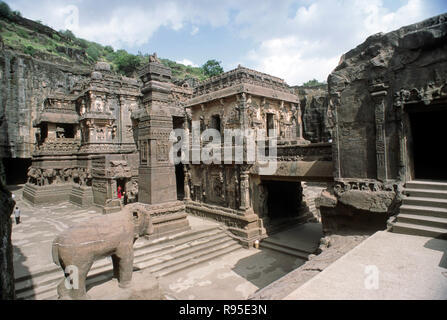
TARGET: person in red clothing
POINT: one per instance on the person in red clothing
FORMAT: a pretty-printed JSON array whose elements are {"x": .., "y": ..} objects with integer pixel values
[{"x": 119, "y": 192}]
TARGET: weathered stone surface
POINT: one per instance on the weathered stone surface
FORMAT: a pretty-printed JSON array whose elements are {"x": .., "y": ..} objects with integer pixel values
[
  {"x": 326, "y": 200},
  {"x": 6, "y": 256},
  {"x": 369, "y": 201},
  {"x": 314, "y": 101}
]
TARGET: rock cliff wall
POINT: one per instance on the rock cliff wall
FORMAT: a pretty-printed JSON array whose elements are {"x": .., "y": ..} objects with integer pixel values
[
  {"x": 6, "y": 256},
  {"x": 24, "y": 84},
  {"x": 314, "y": 104}
]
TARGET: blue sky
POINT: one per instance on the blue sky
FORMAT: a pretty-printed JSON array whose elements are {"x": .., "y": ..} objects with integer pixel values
[{"x": 296, "y": 40}]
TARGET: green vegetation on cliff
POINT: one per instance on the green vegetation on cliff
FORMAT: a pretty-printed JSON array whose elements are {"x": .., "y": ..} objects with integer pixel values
[
  {"x": 313, "y": 83},
  {"x": 42, "y": 42}
]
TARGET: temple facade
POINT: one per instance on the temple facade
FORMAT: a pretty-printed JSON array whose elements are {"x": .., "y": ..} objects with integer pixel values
[
  {"x": 112, "y": 136},
  {"x": 85, "y": 143}
]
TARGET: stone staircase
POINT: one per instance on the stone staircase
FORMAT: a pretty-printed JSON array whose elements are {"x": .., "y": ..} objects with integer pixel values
[
  {"x": 424, "y": 210},
  {"x": 162, "y": 257},
  {"x": 290, "y": 250},
  {"x": 311, "y": 191}
]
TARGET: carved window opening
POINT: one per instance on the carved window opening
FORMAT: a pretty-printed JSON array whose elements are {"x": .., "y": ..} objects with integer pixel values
[
  {"x": 143, "y": 152},
  {"x": 177, "y": 122},
  {"x": 65, "y": 131},
  {"x": 43, "y": 132},
  {"x": 215, "y": 122},
  {"x": 270, "y": 124}
]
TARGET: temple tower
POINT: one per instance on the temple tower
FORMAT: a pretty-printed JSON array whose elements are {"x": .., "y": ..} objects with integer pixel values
[{"x": 157, "y": 191}]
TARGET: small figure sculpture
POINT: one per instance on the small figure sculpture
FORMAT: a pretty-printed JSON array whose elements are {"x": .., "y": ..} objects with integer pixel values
[
  {"x": 153, "y": 58},
  {"x": 113, "y": 235}
]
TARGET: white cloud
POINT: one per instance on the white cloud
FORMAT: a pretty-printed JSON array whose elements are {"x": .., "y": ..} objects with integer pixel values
[
  {"x": 296, "y": 40},
  {"x": 310, "y": 44},
  {"x": 194, "y": 30},
  {"x": 283, "y": 57},
  {"x": 187, "y": 62}
]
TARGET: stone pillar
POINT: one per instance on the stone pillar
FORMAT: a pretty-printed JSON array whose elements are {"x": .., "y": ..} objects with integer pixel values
[
  {"x": 157, "y": 183},
  {"x": 186, "y": 184},
  {"x": 245, "y": 189},
  {"x": 300, "y": 123},
  {"x": 157, "y": 189},
  {"x": 381, "y": 154}
]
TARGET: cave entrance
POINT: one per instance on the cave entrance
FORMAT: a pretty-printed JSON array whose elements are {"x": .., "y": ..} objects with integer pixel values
[
  {"x": 284, "y": 199},
  {"x": 427, "y": 130},
  {"x": 16, "y": 170}
]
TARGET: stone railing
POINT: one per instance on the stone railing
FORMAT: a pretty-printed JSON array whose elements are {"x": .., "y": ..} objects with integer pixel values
[
  {"x": 309, "y": 152},
  {"x": 58, "y": 146},
  {"x": 286, "y": 150},
  {"x": 240, "y": 75}
]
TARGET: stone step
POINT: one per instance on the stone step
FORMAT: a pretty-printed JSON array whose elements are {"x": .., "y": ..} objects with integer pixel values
[
  {"x": 418, "y": 230},
  {"x": 425, "y": 202},
  {"x": 197, "y": 260},
  {"x": 423, "y": 220},
  {"x": 426, "y": 184},
  {"x": 182, "y": 235},
  {"x": 424, "y": 211},
  {"x": 284, "y": 249},
  {"x": 156, "y": 248},
  {"x": 424, "y": 193},
  {"x": 156, "y": 265},
  {"x": 181, "y": 251},
  {"x": 276, "y": 242}
]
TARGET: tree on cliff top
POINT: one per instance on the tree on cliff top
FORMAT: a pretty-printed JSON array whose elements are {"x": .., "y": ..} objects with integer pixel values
[
  {"x": 212, "y": 68},
  {"x": 313, "y": 83},
  {"x": 127, "y": 63},
  {"x": 5, "y": 10}
]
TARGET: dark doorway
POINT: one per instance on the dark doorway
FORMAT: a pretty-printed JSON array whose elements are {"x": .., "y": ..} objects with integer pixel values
[
  {"x": 427, "y": 129},
  {"x": 177, "y": 122},
  {"x": 215, "y": 122},
  {"x": 284, "y": 199},
  {"x": 16, "y": 170},
  {"x": 179, "y": 179},
  {"x": 121, "y": 182},
  {"x": 270, "y": 125}
]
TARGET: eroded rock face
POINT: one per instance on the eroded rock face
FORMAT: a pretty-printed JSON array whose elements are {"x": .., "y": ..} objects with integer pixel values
[
  {"x": 314, "y": 102},
  {"x": 6, "y": 256},
  {"x": 371, "y": 94}
]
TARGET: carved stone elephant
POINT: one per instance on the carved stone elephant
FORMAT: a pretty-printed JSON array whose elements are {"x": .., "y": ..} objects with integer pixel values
[{"x": 110, "y": 235}]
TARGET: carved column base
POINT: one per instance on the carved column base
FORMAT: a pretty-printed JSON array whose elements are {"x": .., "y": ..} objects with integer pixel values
[{"x": 167, "y": 218}]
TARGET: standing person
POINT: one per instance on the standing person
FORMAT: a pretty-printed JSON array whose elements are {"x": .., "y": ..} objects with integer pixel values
[
  {"x": 119, "y": 192},
  {"x": 125, "y": 197},
  {"x": 17, "y": 215}
]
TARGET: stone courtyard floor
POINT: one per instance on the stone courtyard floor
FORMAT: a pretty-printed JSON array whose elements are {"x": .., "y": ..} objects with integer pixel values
[{"x": 236, "y": 275}]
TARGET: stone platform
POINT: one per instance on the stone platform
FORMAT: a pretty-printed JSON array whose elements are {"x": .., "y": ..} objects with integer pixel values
[{"x": 386, "y": 266}]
